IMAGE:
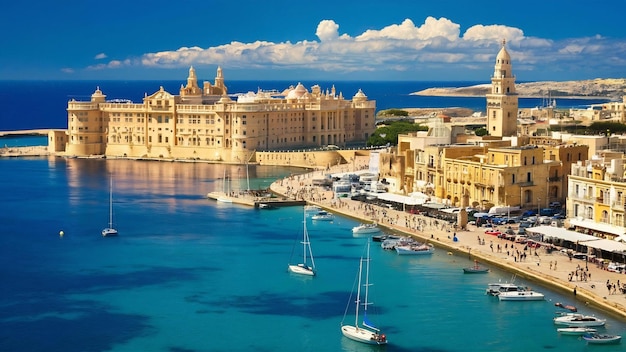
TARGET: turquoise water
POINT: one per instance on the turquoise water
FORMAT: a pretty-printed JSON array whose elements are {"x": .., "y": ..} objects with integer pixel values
[{"x": 190, "y": 274}]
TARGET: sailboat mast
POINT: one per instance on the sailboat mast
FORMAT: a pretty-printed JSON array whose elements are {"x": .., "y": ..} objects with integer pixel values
[
  {"x": 367, "y": 280},
  {"x": 305, "y": 240},
  {"x": 358, "y": 295},
  {"x": 111, "y": 202}
]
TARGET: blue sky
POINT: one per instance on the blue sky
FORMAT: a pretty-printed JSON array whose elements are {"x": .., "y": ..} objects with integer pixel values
[{"x": 446, "y": 40}]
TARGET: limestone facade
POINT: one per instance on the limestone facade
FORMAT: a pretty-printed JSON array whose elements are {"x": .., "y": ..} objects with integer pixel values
[{"x": 205, "y": 123}]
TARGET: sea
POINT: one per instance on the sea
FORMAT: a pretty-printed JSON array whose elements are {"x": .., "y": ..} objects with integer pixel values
[{"x": 190, "y": 274}]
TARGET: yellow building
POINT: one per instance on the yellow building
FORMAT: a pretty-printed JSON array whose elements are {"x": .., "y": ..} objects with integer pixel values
[
  {"x": 205, "y": 123},
  {"x": 597, "y": 195}
]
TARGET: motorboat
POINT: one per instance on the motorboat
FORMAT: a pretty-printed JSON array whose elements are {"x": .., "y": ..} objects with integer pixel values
[
  {"x": 365, "y": 229},
  {"x": 415, "y": 249},
  {"x": 580, "y": 330},
  {"x": 495, "y": 289},
  {"x": 576, "y": 319},
  {"x": 311, "y": 208},
  {"x": 383, "y": 237},
  {"x": 521, "y": 296},
  {"x": 323, "y": 216},
  {"x": 476, "y": 269},
  {"x": 392, "y": 242},
  {"x": 602, "y": 339}
]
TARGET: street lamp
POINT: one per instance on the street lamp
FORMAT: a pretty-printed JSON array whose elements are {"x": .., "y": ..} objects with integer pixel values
[{"x": 538, "y": 209}]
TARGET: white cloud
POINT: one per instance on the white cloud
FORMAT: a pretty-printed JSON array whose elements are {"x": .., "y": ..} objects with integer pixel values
[
  {"x": 396, "y": 47},
  {"x": 100, "y": 56}
]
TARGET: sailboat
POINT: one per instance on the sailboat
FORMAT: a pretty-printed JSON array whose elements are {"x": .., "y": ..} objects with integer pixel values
[
  {"x": 365, "y": 332},
  {"x": 225, "y": 198},
  {"x": 110, "y": 231},
  {"x": 304, "y": 268}
]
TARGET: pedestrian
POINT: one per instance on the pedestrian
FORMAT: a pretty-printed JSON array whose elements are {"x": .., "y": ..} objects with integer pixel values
[
  {"x": 574, "y": 290},
  {"x": 550, "y": 265}
]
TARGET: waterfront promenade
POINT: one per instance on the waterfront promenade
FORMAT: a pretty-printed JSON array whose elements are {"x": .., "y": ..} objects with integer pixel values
[{"x": 553, "y": 269}]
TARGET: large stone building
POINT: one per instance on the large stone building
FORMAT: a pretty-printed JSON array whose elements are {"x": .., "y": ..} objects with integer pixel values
[{"x": 205, "y": 123}]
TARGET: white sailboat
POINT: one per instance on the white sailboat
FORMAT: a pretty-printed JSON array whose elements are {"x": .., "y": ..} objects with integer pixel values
[
  {"x": 110, "y": 231},
  {"x": 225, "y": 198},
  {"x": 365, "y": 332},
  {"x": 304, "y": 268}
]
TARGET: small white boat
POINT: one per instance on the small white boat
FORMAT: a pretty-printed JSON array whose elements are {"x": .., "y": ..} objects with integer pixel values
[
  {"x": 521, "y": 296},
  {"x": 311, "y": 208},
  {"x": 581, "y": 330},
  {"x": 602, "y": 339},
  {"x": 577, "y": 319},
  {"x": 365, "y": 229},
  {"x": 304, "y": 268},
  {"x": 323, "y": 216},
  {"x": 415, "y": 249},
  {"x": 110, "y": 231},
  {"x": 363, "y": 331}
]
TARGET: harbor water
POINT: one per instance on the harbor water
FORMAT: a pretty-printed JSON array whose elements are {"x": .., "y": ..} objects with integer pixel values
[{"x": 190, "y": 274}]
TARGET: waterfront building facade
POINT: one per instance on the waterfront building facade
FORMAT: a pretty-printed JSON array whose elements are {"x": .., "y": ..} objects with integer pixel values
[
  {"x": 205, "y": 123},
  {"x": 596, "y": 200}
]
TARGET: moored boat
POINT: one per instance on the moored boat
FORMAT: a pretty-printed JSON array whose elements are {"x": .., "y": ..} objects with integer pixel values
[
  {"x": 580, "y": 330},
  {"x": 476, "y": 269},
  {"x": 602, "y": 339},
  {"x": 415, "y": 249},
  {"x": 521, "y": 296},
  {"x": 566, "y": 306},
  {"x": 365, "y": 229},
  {"x": 323, "y": 216},
  {"x": 576, "y": 319}
]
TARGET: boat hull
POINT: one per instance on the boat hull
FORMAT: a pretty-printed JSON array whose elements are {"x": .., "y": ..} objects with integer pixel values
[
  {"x": 575, "y": 331},
  {"x": 521, "y": 296},
  {"x": 364, "y": 229},
  {"x": 602, "y": 339},
  {"x": 413, "y": 250},
  {"x": 475, "y": 270},
  {"x": 109, "y": 232},
  {"x": 577, "y": 320},
  {"x": 363, "y": 335},
  {"x": 301, "y": 269}
]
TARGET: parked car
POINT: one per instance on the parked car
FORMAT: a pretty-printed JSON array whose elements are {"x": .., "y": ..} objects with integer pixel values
[
  {"x": 493, "y": 232},
  {"x": 616, "y": 267},
  {"x": 555, "y": 204},
  {"x": 533, "y": 244},
  {"x": 521, "y": 238},
  {"x": 528, "y": 213}
]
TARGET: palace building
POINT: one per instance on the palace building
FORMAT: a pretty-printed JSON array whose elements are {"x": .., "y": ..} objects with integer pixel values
[{"x": 206, "y": 123}]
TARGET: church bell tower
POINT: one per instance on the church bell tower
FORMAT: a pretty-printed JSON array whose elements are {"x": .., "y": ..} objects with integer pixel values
[{"x": 502, "y": 102}]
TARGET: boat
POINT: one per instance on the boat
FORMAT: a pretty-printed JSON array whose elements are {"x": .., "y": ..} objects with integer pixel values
[
  {"x": 365, "y": 331},
  {"x": 383, "y": 237},
  {"x": 476, "y": 269},
  {"x": 311, "y": 208},
  {"x": 110, "y": 231},
  {"x": 566, "y": 306},
  {"x": 323, "y": 216},
  {"x": 304, "y": 268},
  {"x": 267, "y": 206},
  {"x": 602, "y": 339},
  {"x": 224, "y": 198},
  {"x": 365, "y": 229},
  {"x": 415, "y": 249},
  {"x": 578, "y": 320},
  {"x": 521, "y": 296},
  {"x": 580, "y": 330}
]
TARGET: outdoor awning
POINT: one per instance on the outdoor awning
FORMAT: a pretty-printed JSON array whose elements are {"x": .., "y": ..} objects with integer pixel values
[
  {"x": 607, "y": 245},
  {"x": 561, "y": 233},
  {"x": 597, "y": 226},
  {"x": 398, "y": 198}
]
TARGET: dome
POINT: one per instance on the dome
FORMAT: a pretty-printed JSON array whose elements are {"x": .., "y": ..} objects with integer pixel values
[
  {"x": 297, "y": 92},
  {"x": 503, "y": 56}
]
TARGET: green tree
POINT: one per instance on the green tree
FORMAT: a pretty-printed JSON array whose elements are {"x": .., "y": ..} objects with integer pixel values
[
  {"x": 389, "y": 133},
  {"x": 481, "y": 131}
]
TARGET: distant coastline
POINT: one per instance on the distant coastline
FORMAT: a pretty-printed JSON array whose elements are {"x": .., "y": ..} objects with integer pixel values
[{"x": 609, "y": 89}]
